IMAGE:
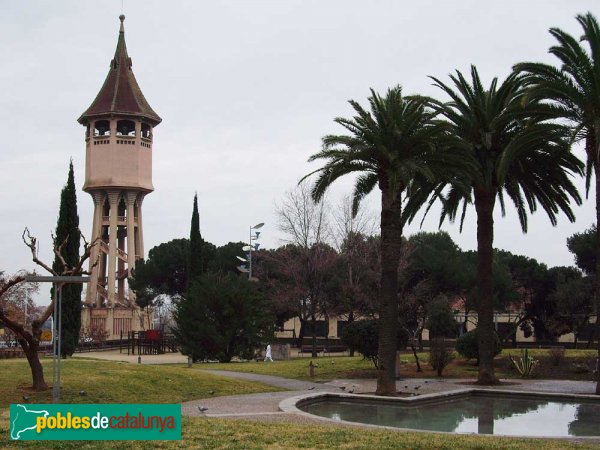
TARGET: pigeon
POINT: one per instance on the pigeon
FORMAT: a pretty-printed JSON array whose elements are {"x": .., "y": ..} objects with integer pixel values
[
  {"x": 426, "y": 381},
  {"x": 311, "y": 388},
  {"x": 342, "y": 387},
  {"x": 202, "y": 408},
  {"x": 26, "y": 398},
  {"x": 351, "y": 391},
  {"x": 417, "y": 387},
  {"x": 406, "y": 386},
  {"x": 211, "y": 392},
  {"x": 82, "y": 393}
]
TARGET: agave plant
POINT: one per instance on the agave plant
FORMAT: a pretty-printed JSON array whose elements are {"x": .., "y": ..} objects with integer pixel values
[{"x": 524, "y": 364}]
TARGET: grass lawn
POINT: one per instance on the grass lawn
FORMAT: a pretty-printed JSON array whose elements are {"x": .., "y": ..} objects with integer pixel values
[
  {"x": 241, "y": 434},
  {"x": 327, "y": 368},
  {"x": 330, "y": 368},
  {"x": 116, "y": 382}
]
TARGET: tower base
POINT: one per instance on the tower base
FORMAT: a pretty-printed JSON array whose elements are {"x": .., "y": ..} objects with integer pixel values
[{"x": 113, "y": 323}]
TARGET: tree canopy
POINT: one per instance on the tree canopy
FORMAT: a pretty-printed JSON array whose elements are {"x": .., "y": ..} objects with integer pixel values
[{"x": 222, "y": 316}]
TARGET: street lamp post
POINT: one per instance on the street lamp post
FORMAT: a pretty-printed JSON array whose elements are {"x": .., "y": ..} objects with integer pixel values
[
  {"x": 249, "y": 248},
  {"x": 59, "y": 282}
]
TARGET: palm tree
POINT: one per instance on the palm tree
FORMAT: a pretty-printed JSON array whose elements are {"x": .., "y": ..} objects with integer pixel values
[
  {"x": 517, "y": 154},
  {"x": 392, "y": 146},
  {"x": 573, "y": 90}
]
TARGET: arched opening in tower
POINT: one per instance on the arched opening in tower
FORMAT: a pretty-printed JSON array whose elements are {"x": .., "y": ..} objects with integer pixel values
[
  {"x": 125, "y": 128},
  {"x": 146, "y": 131},
  {"x": 102, "y": 128}
]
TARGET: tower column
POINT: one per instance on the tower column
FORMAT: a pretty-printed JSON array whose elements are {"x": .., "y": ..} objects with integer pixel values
[
  {"x": 113, "y": 200},
  {"x": 138, "y": 132},
  {"x": 140, "y": 247},
  {"x": 92, "y": 286},
  {"x": 131, "y": 246}
]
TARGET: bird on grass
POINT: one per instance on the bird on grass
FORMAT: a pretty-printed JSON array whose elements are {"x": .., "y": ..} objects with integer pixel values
[
  {"x": 25, "y": 398},
  {"x": 211, "y": 392},
  {"x": 82, "y": 393}
]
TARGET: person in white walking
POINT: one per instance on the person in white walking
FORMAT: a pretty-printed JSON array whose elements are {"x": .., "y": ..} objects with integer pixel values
[{"x": 268, "y": 353}]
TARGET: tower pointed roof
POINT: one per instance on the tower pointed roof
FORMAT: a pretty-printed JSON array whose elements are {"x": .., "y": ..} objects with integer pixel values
[{"x": 120, "y": 94}]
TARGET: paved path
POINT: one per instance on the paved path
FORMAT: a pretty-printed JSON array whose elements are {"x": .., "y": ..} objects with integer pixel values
[
  {"x": 265, "y": 407},
  {"x": 115, "y": 355}
]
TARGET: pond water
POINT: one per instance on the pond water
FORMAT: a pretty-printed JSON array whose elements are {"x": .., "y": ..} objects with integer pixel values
[{"x": 513, "y": 415}]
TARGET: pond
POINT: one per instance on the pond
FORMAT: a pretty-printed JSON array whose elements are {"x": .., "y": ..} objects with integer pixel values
[{"x": 512, "y": 414}]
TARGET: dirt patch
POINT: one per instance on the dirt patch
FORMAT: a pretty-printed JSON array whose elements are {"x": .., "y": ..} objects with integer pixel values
[
  {"x": 359, "y": 373},
  {"x": 578, "y": 369}
]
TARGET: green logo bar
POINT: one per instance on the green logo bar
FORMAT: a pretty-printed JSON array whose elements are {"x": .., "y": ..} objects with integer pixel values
[{"x": 95, "y": 422}]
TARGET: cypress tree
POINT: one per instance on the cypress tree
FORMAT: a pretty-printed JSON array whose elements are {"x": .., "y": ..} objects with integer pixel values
[
  {"x": 195, "y": 261},
  {"x": 67, "y": 228}
]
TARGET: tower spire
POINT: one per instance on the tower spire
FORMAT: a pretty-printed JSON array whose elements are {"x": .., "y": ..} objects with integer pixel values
[{"x": 120, "y": 93}]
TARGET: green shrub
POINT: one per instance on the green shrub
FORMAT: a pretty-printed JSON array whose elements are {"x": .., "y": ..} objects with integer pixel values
[
  {"x": 467, "y": 345},
  {"x": 362, "y": 336},
  {"x": 440, "y": 318},
  {"x": 439, "y": 355}
]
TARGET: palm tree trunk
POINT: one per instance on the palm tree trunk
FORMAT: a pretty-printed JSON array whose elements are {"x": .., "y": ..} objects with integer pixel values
[
  {"x": 597, "y": 175},
  {"x": 350, "y": 320},
  {"x": 484, "y": 205},
  {"x": 391, "y": 242}
]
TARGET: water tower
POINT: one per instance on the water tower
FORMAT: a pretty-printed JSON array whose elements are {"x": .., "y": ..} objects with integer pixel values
[{"x": 118, "y": 175}]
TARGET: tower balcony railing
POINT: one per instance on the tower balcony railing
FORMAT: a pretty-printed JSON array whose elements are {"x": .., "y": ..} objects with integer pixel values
[{"x": 121, "y": 220}]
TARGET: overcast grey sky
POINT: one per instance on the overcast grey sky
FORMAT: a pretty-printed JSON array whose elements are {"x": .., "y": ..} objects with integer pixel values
[{"x": 246, "y": 90}]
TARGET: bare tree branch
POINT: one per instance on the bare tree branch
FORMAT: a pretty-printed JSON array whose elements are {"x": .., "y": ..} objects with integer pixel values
[{"x": 31, "y": 242}]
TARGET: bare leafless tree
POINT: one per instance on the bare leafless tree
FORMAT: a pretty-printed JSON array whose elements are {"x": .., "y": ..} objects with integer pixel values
[
  {"x": 346, "y": 224},
  {"x": 303, "y": 221},
  {"x": 306, "y": 226},
  {"x": 29, "y": 338}
]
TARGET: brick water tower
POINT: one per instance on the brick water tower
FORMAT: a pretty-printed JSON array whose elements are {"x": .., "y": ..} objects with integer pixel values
[{"x": 118, "y": 175}]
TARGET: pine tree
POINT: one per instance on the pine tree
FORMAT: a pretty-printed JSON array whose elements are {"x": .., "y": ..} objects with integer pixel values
[
  {"x": 67, "y": 228},
  {"x": 195, "y": 262}
]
